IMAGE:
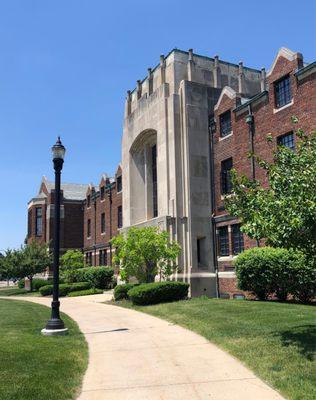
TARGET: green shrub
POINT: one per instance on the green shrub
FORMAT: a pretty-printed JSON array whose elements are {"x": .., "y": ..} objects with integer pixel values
[
  {"x": 64, "y": 288},
  {"x": 38, "y": 283},
  {"x": 86, "y": 292},
  {"x": 304, "y": 282},
  {"x": 159, "y": 292},
  {"x": 99, "y": 277},
  {"x": 120, "y": 291},
  {"x": 267, "y": 270},
  {"x": 21, "y": 283}
]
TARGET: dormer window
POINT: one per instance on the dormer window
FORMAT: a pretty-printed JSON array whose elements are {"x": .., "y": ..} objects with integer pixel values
[
  {"x": 225, "y": 123},
  {"x": 102, "y": 193},
  {"x": 39, "y": 221},
  {"x": 119, "y": 183},
  {"x": 282, "y": 92}
]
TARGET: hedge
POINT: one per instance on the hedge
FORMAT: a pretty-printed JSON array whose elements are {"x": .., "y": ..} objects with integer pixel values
[
  {"x": 159, "y": 292},
  {"x": 21, "y": 283},
  {"x": 268, "y": 271},
  {"x": 37, "y": 283},
  {"x": 65, "y": 288},
  {"x": 99, "y": 277},
  {"x": 85, "y": 292},
  {"x": 121, "y": 291}
]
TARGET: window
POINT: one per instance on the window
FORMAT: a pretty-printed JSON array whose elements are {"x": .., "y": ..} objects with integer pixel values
[
  {"x": 102, "y": 193},
  {"x": 119, "y": 217},
  {"x": 287, "y": 140},
  {"x": 89, "y": 228},
  {"x": 103, "y": 257},
  {"x": 154, "y": 179},
  {"x": 103, "y": 223},
  {"x": 282, "y": 92},
  {"x": 223, "y": 241},
  {"x": 226, "y": 184},
  {"x": 119, "y": 183},
  {"x": 201, "y": 251},
  {"x": 88, "y": 200},
  {"x": 39, "y": 222},
  {"x": 29, "y": 223},
  {"x": 198, "y": 243},
  {"x": 237, "y": 239},
  {"x": 225, "y": 123},
  {"x": 89, "y": 258}
]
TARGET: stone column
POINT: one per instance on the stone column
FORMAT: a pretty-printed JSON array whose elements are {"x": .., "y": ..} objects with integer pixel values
[
  {"x": 263, "y": 80},
  {"x": 139, "y": 88},
  {"x": 217, "y": 73},
  {"x": 149, "y": 82},
  {"x": 241, "y": 79},
  {"x": 128, "y": 104},
  {"x": 190, "y": 65},
  {"x": 162, "y": 69}
]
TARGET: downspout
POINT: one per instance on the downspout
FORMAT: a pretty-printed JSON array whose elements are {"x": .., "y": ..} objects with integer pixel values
[
  {"x": 251, "y": 129},
  {"x": 212, "y": 128},
  {"x": 250, "y": 120}
]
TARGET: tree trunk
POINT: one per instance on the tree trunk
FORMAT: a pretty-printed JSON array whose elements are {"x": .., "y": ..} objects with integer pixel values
[
  {"x": 150, "y": 272},
  {"x": 31, "y": 283}
]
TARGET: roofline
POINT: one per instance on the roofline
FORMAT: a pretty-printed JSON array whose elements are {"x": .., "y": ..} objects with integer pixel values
[
  {"x": 305, "y": 69},
  {"x": 196, "y": 55},
  {"x": 253, "y": 99}
]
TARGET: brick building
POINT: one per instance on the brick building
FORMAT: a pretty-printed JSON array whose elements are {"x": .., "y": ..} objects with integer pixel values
[
  {"x": 241, "y": 125},
  {"x": 190, "y": 121},
  {"x": 41, "y": 215},
  {"x": 186, "y": 124},
  {"x": 103, "y": 217}
]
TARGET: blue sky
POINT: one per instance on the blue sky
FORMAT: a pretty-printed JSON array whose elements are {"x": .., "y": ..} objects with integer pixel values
[{"x": 65, "y": 67}]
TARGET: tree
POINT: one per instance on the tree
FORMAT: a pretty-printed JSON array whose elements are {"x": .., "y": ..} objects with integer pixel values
[
  {"x": 71, "y": 260},
  {"x": 9, "y": 265},
  {"x": 145, "y": 252},
  {"x": 34, "y": 259},
  {"x": 284, "y": 214}
]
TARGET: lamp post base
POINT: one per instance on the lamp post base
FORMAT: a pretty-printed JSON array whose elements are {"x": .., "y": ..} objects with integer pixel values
[{"x": 54, "y": 332}]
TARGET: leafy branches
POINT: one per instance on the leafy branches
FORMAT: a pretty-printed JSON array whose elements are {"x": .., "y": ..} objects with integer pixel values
[
  {"x": 284, "y": 214},
  {"x": 145, "y": 252}
]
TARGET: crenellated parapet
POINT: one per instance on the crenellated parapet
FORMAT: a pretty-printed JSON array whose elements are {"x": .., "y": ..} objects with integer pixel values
[{"x": 180, "y": 66}]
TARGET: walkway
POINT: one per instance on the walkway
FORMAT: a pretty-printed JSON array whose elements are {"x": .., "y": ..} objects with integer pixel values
[{"x": 133, "y": 356}]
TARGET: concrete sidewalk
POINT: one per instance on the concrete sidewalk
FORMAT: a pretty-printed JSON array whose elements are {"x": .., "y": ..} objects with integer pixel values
[{"x": 133, "y": 356}]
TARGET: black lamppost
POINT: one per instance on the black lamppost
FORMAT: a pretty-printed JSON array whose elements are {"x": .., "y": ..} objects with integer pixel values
[{"x": 55, "y": 326}]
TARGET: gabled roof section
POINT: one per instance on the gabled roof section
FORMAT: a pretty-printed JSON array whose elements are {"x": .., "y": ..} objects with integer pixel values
[
  {"x": 71, "y": 191},
  {"x": 229, "y": 92},
  {"x": 285, "y": 53}
]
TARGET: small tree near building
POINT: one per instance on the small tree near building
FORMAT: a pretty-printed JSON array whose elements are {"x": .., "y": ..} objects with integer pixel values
[
  {"x": 283, "y": 214},
  {"x": 35, "y": 259},
  {"x": 145, "y": 252},
  {"x": 71, "y": 260},
  {"x": 9, "y": 264}
]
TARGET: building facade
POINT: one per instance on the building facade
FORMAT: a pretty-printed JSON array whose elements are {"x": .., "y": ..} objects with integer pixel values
[
  {"x": 41, "y": 215},
  {"x": 185, "y": 127},
  {"x": 240, "y": 126},
  {"x": 103, "y": 215}
]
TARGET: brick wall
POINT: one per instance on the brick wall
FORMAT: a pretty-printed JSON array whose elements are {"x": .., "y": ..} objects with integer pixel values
[
  {"x": 98, "y": 240},
  {"x": 267, "y": 120}
]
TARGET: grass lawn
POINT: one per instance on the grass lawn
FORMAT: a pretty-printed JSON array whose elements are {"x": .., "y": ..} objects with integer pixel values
[
  {"x": 15, "y": 291},
  {"x": 37, "y": 367},
  {"x": 275, "y": 340}
]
